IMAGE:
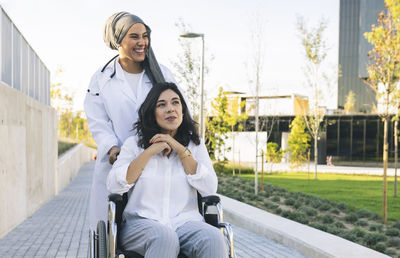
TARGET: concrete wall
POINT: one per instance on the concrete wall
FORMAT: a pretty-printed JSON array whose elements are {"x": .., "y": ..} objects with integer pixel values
[
  {"x": 28, "y": 156},
  {"x": 30, "y": 172},
  {"x": 69, "y": 164},
  {"x": 245, "y": 146}
]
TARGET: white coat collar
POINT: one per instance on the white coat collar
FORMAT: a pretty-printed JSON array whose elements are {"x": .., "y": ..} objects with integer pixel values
[{"x": 144, "y": 81}]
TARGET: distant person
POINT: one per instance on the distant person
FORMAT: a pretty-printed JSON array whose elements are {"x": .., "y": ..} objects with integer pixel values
[
  {"x": 114, "y": 96},
  {"x": 329, "y": 161},
  {"x": 163, "y": 167}
]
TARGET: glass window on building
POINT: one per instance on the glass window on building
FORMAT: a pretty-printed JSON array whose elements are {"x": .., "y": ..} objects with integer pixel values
[
  {"x": 358, "y": 139},
  {"x": 345, "y": 141},
  {"x": 372, "y": 143},
  {"x": 331, "y": 135},
  {"x": 31, "y": 73},
  {"x": 36, "y": 78},
  {"x": 6, "y": 50},
  {"x": 16, "y": 82},
  {"x": 24, "y": 66}
]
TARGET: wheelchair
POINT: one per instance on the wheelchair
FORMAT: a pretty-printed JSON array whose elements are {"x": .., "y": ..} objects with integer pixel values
[{"x": 104, "y": 241}]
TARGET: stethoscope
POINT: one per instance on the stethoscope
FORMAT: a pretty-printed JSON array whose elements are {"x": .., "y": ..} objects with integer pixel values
[
  {"x": 102, "y": 70},
  {"x": 115, "y": 59}
]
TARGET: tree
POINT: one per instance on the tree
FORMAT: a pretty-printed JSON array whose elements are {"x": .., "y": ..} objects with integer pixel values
[
  {"x": 235, "y": 117},
  {"x": 350, "y": 102},
  {"x": 70, "y": 124},
  {"x": 187, "y": 67},
  {"x": 383, "y": 71},
  {"x": 315, "y": 51},
  {"x": 298, "y": 141},
  {"x": 273, "y": 154},
  {"x": 257, "y": 44},
  {"x": 394, "y": 8},
  {"x": 217, "y": 127}
]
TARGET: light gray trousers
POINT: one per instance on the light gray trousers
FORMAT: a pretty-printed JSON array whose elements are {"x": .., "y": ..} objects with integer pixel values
[{"x": 154, "y": 240}]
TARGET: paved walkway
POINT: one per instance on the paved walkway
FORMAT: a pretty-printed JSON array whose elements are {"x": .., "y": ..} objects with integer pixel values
[{"x": 59, "y": 229}]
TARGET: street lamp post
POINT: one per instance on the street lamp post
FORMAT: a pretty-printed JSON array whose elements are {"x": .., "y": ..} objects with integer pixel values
[{"x": 199, "y": 35}]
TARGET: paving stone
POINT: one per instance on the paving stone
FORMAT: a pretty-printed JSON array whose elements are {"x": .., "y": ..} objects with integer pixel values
[{"x": 60, "y": 229}]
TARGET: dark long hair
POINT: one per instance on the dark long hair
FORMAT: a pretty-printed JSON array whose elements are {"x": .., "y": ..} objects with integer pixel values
[{"x": 146, "y": 126}]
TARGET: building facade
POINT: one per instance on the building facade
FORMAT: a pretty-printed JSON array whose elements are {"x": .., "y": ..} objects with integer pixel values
[
  {"x": 345, "y": 137},
  {"x": 356, "y": 18},
  {"x": 20, "y": 66}
]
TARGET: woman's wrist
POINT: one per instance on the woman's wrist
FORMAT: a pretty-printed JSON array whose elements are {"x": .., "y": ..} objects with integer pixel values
[{"x": 184, "y": 154}]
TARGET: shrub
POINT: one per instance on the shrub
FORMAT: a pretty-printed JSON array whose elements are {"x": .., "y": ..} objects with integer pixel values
[
  {"x": 327, "y": 219},
  {"x": 397, "y": 225},
  {"x": 319, "y": 226},
  {"x": 342, "y": 206},
  {"x": 339, "y": 224},
  {"x": 302, "y": 218},
  {"x": 307, "y": 201},
  {"x": 372, "y": 239},
  {"x": 359, "y": 232},
  {"x": 334, "y": 230},
  {"x": 380, "y": 247},
  {"x": 297, "y": 204},
  {"x": 276, "y": 199},
  {"x": 392, "y": 232},
  {"x": 289, "y": 202},
  {"x": 395, "y": 242},
  {"x": 293, "y": 216},
  {"x": 335, "y": 211},
  {"x": 258, "y": 198},
  {"x": 361, "y": 223},
  {"x": 324, "y": 207},
  {"x": 315, "y": 204},
  {"x": 349, "y": 236},
  {"x": 376, "y": 227},
  {"x": 280, "y": 189},
  {"x": 274, "y": 206},
  {"x": 363, "y": 213},
  {"x": 390, "y": 252},
  {"x": 266, "y": 194},
  {"x": 285, "y": 213},
  {"x": 278, "y": 210},
  {"x": 351, "y": 217},
  {"x": 375, "y": 216},
  {"x": 268, "y": 204},
  {"x": 249, "y": 196},
  {"x": 249, "y": 189},
  {"x": 309, "y": 211}
]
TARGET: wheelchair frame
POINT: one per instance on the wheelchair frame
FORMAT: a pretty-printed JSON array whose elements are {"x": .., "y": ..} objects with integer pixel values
[{"x": 210, "y": 208}]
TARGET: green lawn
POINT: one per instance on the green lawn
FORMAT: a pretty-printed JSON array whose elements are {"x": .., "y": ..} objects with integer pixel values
[{"x": 358, "y": 191}]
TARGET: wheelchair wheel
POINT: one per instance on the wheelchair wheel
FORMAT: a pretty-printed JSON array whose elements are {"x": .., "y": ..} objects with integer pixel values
[{"x": 101, "y": 240}]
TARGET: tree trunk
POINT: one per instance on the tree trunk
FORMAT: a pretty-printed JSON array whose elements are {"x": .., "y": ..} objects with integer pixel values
[
  {"x": 233, "y": 152},
  {"x": 315, "y": 155},
  {"x": 396, "y": 147},
  {"x": 385, "y": 165}
]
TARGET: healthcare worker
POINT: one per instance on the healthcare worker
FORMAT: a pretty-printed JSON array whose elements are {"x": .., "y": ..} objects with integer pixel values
[{"x": 115, "y": 93}]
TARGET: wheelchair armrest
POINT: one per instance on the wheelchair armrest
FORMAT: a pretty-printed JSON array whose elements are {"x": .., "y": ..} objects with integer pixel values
[
  {"x": 212, "y": 210},
  {"x": 116, "y": 198},
  {"x": 211, "y": 200}
]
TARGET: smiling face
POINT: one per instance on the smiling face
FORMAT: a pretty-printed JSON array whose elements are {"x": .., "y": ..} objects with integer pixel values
[
  {"x": 134, "y": 45},
  {"x": 168, "y": 112}
]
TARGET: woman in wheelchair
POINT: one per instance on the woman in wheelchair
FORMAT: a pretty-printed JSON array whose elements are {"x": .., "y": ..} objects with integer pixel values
[{"x": 163, "y": 167}]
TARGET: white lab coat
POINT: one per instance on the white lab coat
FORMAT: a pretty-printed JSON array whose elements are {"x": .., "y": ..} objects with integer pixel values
[{"x": 111, "y": 109}]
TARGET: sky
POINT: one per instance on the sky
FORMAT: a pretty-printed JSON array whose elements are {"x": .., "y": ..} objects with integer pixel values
[{"x": 68, "y": 34}]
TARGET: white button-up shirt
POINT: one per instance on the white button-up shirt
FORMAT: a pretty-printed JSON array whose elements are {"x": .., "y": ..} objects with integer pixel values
[{"x": 164, "y": 192}]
